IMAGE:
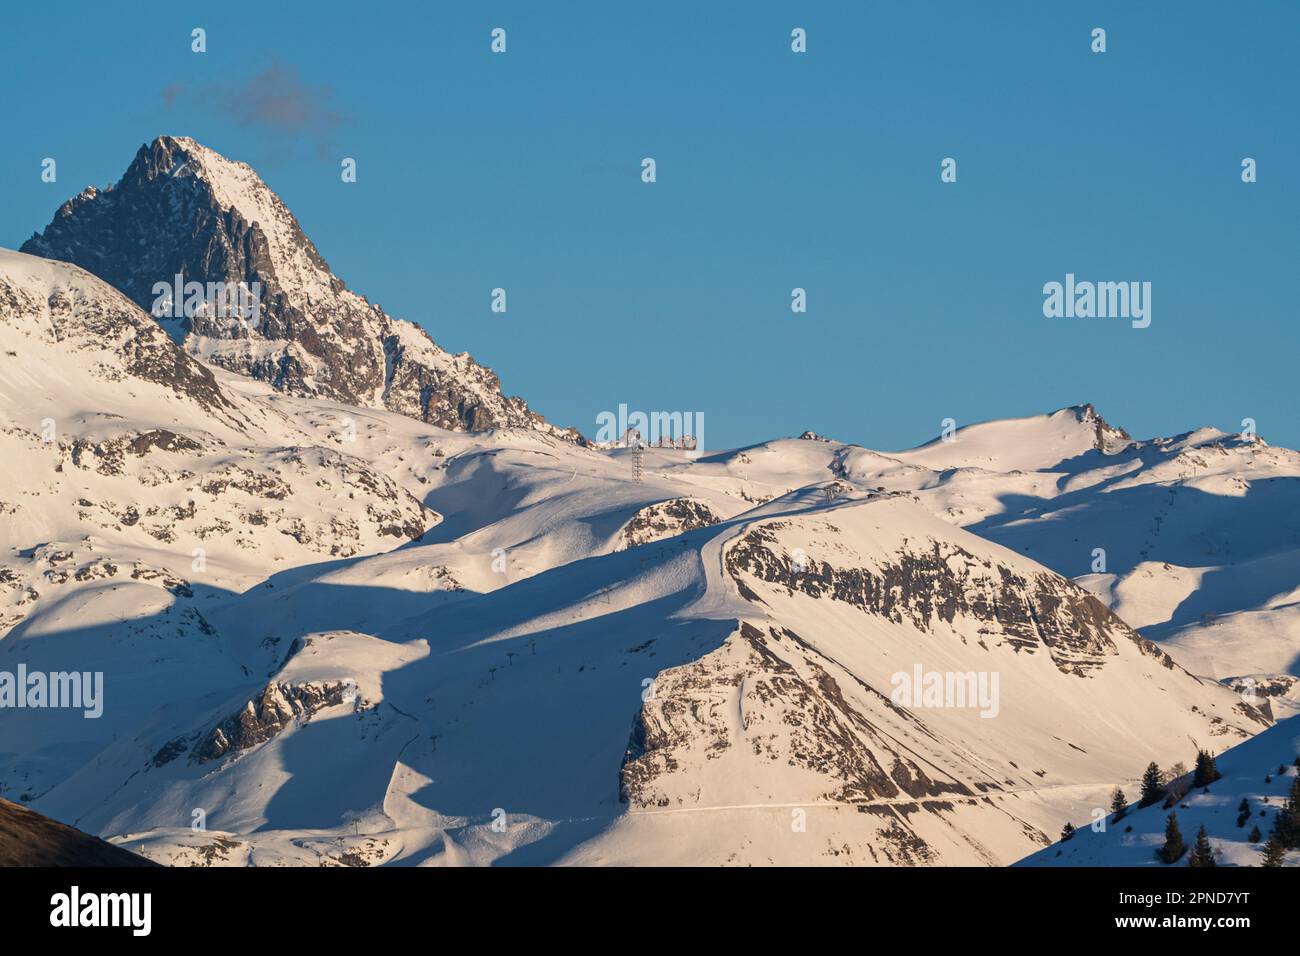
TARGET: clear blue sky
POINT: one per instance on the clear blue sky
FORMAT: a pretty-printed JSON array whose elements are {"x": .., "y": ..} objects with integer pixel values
[{"x": 775, "y": 170}]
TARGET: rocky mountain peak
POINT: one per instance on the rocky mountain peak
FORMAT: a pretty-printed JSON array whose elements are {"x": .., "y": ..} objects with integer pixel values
[
  {"x": 1109, "y": 438},
  {"x": 182, "y": 209}
]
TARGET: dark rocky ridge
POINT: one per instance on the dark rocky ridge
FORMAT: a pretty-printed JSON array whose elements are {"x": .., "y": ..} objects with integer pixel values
[
  {"x": 183, "y": 209},
  {"x": 29, "y": 839}
]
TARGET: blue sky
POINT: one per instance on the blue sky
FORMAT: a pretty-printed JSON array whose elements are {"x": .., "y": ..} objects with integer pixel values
[{"x": 775, "y": 170}]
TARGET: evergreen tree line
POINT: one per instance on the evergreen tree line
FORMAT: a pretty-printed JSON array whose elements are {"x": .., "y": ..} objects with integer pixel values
[{"x": 1284, "y": 836}]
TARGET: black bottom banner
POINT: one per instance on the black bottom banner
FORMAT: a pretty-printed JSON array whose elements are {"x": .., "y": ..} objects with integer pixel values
[{"x": 367, "y": 906}]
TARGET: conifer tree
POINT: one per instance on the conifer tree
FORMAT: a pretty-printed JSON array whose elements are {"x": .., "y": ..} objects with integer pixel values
[
  {"x": 1202, "y": 852},
  {"x": 1206, "y": 771},
  {"x": 1174, "y": 847},
  {"x": 1067, "y": 831},
  {"x": 1255, "y": 835},
  {"x": 1118, "y": 804},
  {"x": 1151, "y": 788},
  {"x": 1274, "y": 851},
  {"x": 1287, "y": 826}
]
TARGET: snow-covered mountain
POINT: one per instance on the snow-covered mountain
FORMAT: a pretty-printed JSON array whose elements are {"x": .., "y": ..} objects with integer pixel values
[
  {"x": 334, "y": 630},
  {"x": 183, "y": 209},
  {"x": 1194, "y": 540}
]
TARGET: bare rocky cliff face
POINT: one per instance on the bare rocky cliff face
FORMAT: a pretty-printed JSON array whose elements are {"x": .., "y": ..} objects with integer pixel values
[
  {"x": 260, "y": 719},
  {"x": 183, "y": 209},
  {"x": 941, "y": 581}
]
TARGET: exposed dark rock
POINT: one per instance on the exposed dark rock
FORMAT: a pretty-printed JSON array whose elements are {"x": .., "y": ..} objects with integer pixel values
[
  {"x": 666, "y": 519},
  {"x": 161, "y": 439},
  {"x": 169, "y": 751},
  {"x": 265, "y": 716},
  {"x": 1108, "y": 439}
]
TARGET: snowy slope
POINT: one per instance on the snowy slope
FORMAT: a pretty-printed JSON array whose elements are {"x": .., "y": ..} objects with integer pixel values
[
  {"x": 1037, "y": 443},
  {"x": 138, "y": 491},
  {"x": 1260, "y": 771},
  {"x": 529, "y": 699}
]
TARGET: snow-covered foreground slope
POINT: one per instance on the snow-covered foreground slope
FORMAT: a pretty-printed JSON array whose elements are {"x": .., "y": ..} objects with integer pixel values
[
  {"x": 1260, "y": 771},
  {"x": 339, "y": 634}
]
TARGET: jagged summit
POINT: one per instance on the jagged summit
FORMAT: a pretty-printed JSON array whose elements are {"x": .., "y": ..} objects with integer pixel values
[
  {"x": 1109, "y": 439},
  {"x": 184, "y": 209}
]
